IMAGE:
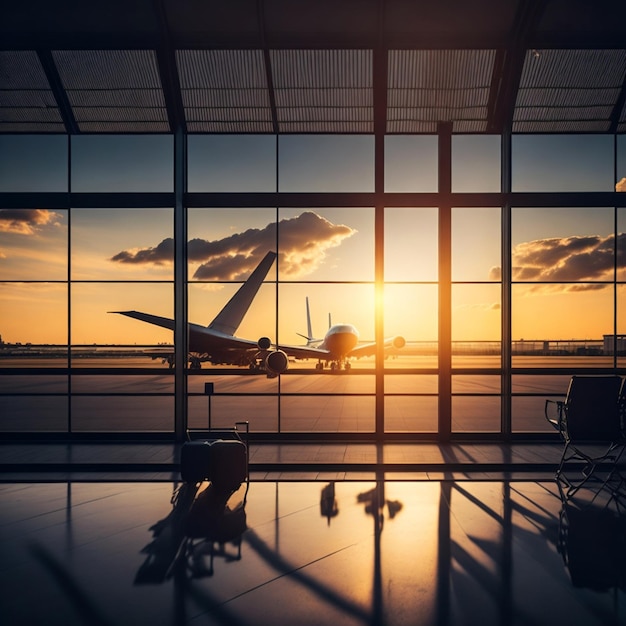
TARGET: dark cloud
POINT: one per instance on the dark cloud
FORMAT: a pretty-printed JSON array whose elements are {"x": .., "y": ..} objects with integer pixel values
[
  {"x": 26, "y": 221},
  {"x": 159, "y": 255},
  {"x": 303, "y": 242},
  {"x": 568, "y": 259}
]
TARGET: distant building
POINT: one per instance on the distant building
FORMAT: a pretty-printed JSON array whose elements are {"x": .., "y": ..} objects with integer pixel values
[{"x": 612, "y": 342}]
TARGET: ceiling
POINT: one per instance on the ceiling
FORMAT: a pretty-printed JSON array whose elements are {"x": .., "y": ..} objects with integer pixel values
[{"x": 313, "y": 66}]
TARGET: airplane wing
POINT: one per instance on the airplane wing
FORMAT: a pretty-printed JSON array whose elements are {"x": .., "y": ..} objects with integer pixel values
[
  {"x": 366, "y": 349},
  {"x": 369, "y": 349}
]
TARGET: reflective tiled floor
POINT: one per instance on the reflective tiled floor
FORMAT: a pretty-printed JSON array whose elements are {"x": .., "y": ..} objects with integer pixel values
[{"x": 286, "y": 552}]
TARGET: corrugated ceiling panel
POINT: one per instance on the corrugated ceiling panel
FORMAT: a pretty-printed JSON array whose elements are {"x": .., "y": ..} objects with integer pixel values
[
  {"x": 229, "y": 127},
  {"x": 410, "y": 126},
  {"x": 221, "y": 86},
  {"x": 330, "y": 97},
  {"x": 469, "y": 126},
  {"x": 330, "y": 114},
  {"x": 113, "y": 89},
  {"x": 438, "y": 86},
  {"x": 325, "y": 90},
  {"x": 122, "y": 127},
  {"x": 558, "y": 85},
  {"x": 251, "y": 98},
  {"x": 555, "y": 126},
  {"x": 227, "y": 114},
  {"x": 27, "y": 103},
  {"x": 582, "y": 113},
  {"x": 327, "y": 127}
]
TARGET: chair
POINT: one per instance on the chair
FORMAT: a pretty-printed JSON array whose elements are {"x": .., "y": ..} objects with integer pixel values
[{"x": 590, "y": 423}]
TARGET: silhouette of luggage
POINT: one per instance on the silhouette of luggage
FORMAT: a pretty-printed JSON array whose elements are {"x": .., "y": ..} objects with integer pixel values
[{"x": 222, "y": 461}]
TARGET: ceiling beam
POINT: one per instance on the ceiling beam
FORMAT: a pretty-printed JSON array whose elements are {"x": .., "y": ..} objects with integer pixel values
[
  {"x": 60, "y": 95},
  {"x": 268, "y": 65},
  {"x": 168, "y": 73},
  {"x": 509, "y": 65}
]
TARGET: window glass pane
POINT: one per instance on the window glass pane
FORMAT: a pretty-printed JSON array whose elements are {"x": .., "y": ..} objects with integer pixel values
[
  {"x": 621, "y": 243},
  {"x": 227, "y": 244},
  {"x": 34, "y": 313},
  {"x": 334, "y": 414},
  {"x": 122, "y": 244},
  {"x": 153, "y": 413},
  {"x": 411, "y": 248},
  {"x": 475, "y": 163},
  {"x": 129, "y": 163},
  {"x": 33, "y": 244},
  {"x": 620, "y": 178},
  {"x": 475, "y": 414},
  {"x": 476, "y": 325},
  {"x": 33, "y": 413},
  {"x": 562, "y": 244},
  {"x": 231, "y": 163},
  {"x": 557, "y": 325},
  {"x": 326, "y": 163},
  {"x": 329, "y": 304},
  {"x": 562, "y": 163},
  {"x": 410, "y": 414},
  {"x": 326, "y": 244},
  {"x": 411, "y": 313},
  {"x": 617, "y": 344},
  {"x": 207, "y": 299},
  {"x": 476, "y": 235},
  {"x": 528, "y": 402},
  {"x": 94, "y": 323},
  {"x": 411, "y": 163},
  {"x": 261, "y": 411},
  {"x": 33, "y": 163}
]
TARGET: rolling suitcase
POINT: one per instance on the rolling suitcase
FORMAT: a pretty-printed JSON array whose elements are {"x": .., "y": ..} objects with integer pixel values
[
  {"x": 222, "y": 461},
  {"x": 228, "y": 464},
  {"x": 194, "y": 461}
]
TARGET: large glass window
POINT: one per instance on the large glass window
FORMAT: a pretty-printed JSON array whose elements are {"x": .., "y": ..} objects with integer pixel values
[
  {"x": 563, "y": 264},
  {"x": 411, "y": 163},
  {"x": 88, "y": 296},
  {"x": 231, "y": 163},
  {"x": 122, "y": 163},
  {"x": 475, "y": 163},
  {"x": 562, "y": 163},
  {"x": 411, "y": 314},
  {"x": 325, "y": 163},
  {"x": 33, "y": 163}
]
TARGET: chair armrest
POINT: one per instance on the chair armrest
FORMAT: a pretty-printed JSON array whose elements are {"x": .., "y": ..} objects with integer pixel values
[{"x": 558, "y": 420}]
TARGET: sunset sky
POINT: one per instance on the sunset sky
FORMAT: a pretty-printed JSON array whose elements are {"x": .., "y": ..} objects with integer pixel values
[{"x": 122, "y": 259}]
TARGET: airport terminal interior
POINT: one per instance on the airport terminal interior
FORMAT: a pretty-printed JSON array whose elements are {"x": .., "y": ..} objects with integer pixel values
[{"x": 299, "y": 305}]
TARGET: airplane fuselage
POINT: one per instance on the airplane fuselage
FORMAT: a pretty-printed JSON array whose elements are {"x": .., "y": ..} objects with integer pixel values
[{"x": 340, "y": 340}]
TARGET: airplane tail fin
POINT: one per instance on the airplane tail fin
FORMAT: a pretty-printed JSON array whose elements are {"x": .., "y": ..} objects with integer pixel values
[
  {"x": 229, "y": 318},
  {"x": 309, "y": 329}
]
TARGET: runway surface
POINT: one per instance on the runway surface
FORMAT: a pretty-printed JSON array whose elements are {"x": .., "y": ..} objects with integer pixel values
[{"x": 137, "y": 394}]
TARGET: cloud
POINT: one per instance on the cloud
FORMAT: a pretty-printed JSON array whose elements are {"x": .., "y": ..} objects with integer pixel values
[
  {"x": 621, "y": 185},
  {"x": 160, "y": 255},
  {"x": 565, "y": 260},
  {"x": 26, "y": 221},
  {"x": 304, "y": 241}
]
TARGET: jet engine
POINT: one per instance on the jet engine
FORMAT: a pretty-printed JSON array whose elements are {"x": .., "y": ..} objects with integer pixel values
[
  {"x": 276, "y": 362},
  {"x": 264, "y": 343},
  {"x": 398, "y": 342}
]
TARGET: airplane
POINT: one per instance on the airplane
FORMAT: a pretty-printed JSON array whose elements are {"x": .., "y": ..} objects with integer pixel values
[
  {"x": 217, "y": 343},
  {"x": 339, "y": 345}
]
